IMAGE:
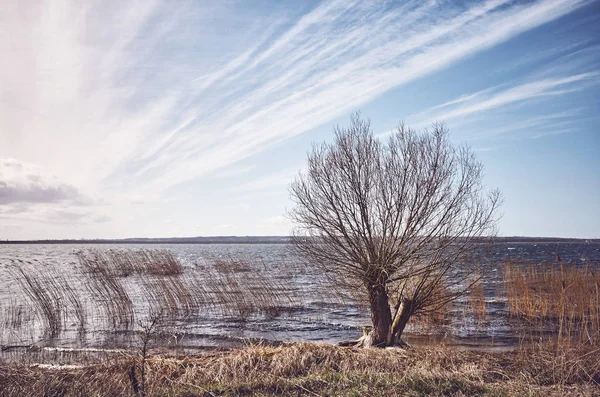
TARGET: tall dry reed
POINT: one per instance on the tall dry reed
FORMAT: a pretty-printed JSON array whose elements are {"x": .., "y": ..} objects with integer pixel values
[
  {"x": 476, "y": 297},
  {"x": 567, "y": 295},
  {"x": 123, "y": 263},
  {"x": 107, "y": 289},
  {"x": 45, "y": 291}
]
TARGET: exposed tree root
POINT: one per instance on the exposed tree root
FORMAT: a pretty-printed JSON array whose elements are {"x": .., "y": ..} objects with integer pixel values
[{"x": 366, "y": 341}]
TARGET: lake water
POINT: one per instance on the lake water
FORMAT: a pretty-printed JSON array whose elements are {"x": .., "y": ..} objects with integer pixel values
[{"x": 302, "y": 309}]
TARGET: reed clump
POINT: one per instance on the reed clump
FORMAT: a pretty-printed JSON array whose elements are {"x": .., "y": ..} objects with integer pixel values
[
  {"x": 45, "y": 292},
  {"x": 14, "y": 314},
  {"x": 560, "y": 362},
  {"x": 108, "y": 291},
  {"x": 243, "y": 288},
  {"x": 123, "y": 263},
  {"x": 175, "y": 296},
  {"x": 112, "y": 287},
  {"x": 565, "y": 295},
  {"x": 477, "y": 303}
]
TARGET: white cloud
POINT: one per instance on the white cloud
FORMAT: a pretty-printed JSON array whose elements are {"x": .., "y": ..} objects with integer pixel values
[
  {"x": 226, "y": 227},
  {"x": 238, "y": 206},
  {"x": 28, "y": 194},
  {"x": 120, "y": 101},
  {"x": 234, "y": 171},
  {"x": 22, "y": 183},
  {"x": 139, "y": 96},
  {"x": 278, "y": 179},
  {"x": 138, "y": 199},
  {"x": 494, "y": 112}
]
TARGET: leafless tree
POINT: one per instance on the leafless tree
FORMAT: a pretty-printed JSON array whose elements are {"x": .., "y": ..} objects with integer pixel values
[{"x": 392, "y": 219}]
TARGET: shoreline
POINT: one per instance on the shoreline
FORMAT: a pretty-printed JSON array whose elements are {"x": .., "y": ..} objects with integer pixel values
[
  {"x": 272, "y": 240},
  {"x": 320, "y": 369}
]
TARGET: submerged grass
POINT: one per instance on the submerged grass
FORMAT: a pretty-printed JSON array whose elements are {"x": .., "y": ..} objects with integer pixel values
[
  {"x": 316, "y": 369},
  {"x": 116, "y": 289},
  {"x": 51, "y": 296},
  {"x": 125, "y": 263}
]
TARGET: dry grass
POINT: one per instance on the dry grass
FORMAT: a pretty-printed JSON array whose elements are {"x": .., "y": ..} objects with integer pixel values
[
  {"x": 566, "y": 295},
  {"x": 309, "y": 370},
  {"x": 560, "y": 362}
]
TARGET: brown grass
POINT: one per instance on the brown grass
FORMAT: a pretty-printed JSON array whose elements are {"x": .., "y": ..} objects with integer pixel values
[
  {"x": 566, "y": 295},
  {"x": 315, "y": 369}
]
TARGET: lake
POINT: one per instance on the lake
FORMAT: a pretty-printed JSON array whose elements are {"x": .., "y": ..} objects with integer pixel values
[{"x": 220, "y": 298}]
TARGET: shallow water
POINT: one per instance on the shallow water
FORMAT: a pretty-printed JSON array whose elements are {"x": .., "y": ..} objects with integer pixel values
[{"x": 304, "y": 310}]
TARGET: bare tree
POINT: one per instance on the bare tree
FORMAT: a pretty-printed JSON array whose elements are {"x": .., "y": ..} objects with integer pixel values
[{"x": 394, "y": 220}]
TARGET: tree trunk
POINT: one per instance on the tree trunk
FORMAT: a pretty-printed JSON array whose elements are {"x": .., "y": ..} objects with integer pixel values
[
  {"x": 381, "y": 316},
  {"x": 401, "y": 319}
]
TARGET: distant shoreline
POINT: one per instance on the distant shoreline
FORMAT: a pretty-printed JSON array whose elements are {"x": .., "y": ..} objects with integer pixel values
[{"x": 259, "y": 240}]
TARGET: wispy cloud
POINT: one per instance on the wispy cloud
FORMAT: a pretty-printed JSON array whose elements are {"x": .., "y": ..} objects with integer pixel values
[
  {"x": 234, "y": 171},
  {"x": 277, "y": 179},
  {"x": 493, "y": 98},
  {"x": 549, "y": 100},
  {"x": 146, "y": 102},
  {"x": 122, "y": 101}
]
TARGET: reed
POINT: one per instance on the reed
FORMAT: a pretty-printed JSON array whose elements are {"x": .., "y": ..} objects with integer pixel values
[
  {"x": 123, "y": 263},
  {"x": 173, "y": 295},
  {"x": 565, "y": 295},
  {"x": 562, "y": 361},
  {"x": 476, "y": 296},
  {"x": 44, "y": 290},
  {"x": 76, "y": 306},
  {"x": 107, "y": 289},
  {"x": 120, "y": 285},
  {"x": 242, "y": 288},
  {"x": 14, "y": 314}
]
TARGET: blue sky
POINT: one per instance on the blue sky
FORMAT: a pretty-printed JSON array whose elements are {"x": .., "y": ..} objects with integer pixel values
[{"x": 150, "y": 118}]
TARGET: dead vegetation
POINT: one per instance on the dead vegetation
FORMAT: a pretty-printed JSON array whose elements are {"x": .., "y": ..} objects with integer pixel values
[
  {"x": 53, "y": 299},
  {"x": 109, "y": 293},
  {"x": 477, "y": 303},
  {"x": 123, "y": 263},
  {"x": 394, "y": 217},
  {"x": 45, "y": 291},
  {"x": 119, "y": 288},
  {"x": 566, "y": 296},
  {"x": 566, "y": 299},
  {"x": 322, "y": 370}
]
